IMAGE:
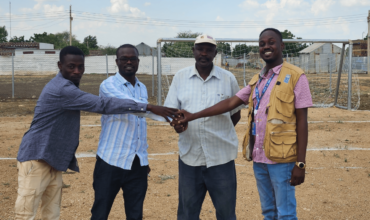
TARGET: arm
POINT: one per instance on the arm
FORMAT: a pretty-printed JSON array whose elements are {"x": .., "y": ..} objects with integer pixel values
[
  {"x": 72, "y": 98},
  {"x": 220, "y": 108},
  {"x": 159, "y": 113},
  {"x": 298, "y": 175}
]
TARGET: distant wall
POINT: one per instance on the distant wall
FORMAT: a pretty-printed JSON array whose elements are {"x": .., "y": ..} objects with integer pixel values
[{"x": 46, "y": 64}]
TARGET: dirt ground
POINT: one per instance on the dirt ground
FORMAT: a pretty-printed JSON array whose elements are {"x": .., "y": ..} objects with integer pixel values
[{"x": 336, "y": 185}]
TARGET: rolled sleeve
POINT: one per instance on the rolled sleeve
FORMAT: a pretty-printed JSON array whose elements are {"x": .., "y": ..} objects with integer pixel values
[
  {"x": 302, "y": 93},
  {"x": 244, "y": 94}
]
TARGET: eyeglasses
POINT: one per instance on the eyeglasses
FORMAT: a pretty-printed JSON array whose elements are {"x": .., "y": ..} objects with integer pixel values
[{"x": 126, "y": 59}]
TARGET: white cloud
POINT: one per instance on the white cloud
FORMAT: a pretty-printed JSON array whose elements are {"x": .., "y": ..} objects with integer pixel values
[
  {"x": 147, "y": 3},
  {"x": 321, "y": 6},
  {"x": 53, "y": 8},
  {"x": 123, "y": 6},
  {"x": 349, "y": 3},
  {"x": 249, "y": 4},
  {"x": 219, "y": 18}
]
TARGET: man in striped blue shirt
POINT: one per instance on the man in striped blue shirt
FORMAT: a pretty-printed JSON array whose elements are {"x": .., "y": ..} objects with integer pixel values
[{"x": 122, "y": 157}]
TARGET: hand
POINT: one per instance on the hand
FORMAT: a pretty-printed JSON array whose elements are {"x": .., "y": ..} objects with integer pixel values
[
  {"x": 162, "y": 111},
  {"x": 149, "y": 170},
  {"x": 297, "y": 176},
  {"x": 179, "y": 127},
  {"x": 186, "y": 117}
]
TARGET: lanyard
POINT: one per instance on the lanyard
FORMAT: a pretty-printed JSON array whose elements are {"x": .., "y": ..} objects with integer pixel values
[{"x": 263, "y": 91}]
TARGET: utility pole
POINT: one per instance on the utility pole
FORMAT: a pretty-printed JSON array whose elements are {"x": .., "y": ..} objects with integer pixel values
[
  {"x": 70, "y": 25},
  {"x": 10, "y": 20},
  {"x": 368, "y": 43}
]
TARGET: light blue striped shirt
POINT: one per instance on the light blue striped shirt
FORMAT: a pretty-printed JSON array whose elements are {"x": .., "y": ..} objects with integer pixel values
[
  {"x": 209, "y": 141},
  {"x": 123, "y": 135}
]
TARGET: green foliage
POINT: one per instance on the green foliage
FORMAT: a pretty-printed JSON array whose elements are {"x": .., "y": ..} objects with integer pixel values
[
  {"x": 292, "y": 49},
  {"x": 18, "y": 39},
  {"x": 109, "y": 50},
  {"x": 59, "y": 40},
  {"x": 91, "y": 42},
  {"x": 81, "y": 47},
  {"x": 180, "y": 49},
  {"x": 224, "y": 48},
  {"x": 241, "y": 49},
  {"x": 3, "y": 34}
]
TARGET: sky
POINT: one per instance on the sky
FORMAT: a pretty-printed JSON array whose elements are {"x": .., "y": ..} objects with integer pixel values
[{"x": 115, "y": 22}]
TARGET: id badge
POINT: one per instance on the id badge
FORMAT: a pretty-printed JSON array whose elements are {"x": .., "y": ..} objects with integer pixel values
[{"x": 253, "y": 128}]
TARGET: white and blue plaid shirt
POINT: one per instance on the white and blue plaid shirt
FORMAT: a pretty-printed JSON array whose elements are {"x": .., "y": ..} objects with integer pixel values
[
  {"x": 124, "y": 135},
  {"x": 209, "y": 141}
]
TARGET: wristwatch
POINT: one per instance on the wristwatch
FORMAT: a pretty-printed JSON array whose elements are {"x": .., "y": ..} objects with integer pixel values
[{"x": 300, "y": 165}]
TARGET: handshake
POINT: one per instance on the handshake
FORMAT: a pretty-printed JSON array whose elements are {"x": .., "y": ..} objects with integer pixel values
[{"x": 180, "y": 117}]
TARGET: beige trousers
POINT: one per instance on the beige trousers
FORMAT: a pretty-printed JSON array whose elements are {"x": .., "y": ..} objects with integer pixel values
[{"x": 37, "y": 181}]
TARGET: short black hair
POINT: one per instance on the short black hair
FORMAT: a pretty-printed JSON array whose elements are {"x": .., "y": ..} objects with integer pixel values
[
  {"x": 274, "y": 30},
  {"x": 70, "y": 50},
  {"x": 126, "y": 46}
]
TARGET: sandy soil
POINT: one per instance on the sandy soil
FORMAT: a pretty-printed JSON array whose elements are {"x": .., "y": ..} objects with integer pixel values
[{"x": 336, "y": 185}]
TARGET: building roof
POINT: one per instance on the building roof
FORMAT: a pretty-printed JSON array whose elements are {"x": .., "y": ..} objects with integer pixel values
[{"x": 312, "y": 48}]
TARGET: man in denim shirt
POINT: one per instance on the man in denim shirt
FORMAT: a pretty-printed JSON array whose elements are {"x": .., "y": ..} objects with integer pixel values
[{"x": 48, "y": 147}]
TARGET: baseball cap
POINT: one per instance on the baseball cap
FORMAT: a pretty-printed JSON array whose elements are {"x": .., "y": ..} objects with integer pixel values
[{"x": 205, "y": 38}]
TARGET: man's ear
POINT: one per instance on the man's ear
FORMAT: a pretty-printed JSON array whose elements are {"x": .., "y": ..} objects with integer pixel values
[
  {"x": 59, "y": 65},
  {"x": 282, "y": 45}
]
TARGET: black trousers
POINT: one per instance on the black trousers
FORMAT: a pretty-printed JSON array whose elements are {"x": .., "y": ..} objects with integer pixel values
[{"x": 108, "y": 180}]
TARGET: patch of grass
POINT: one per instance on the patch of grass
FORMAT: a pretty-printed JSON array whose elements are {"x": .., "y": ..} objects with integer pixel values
[
  {"x": 65, "y": 186},
  {"x": 168, "y": 195},
  {"x": 163, "y": 178},
  {"x": 340, "y": 122},
  {"x": 345, "y": 160},
  {"x": 6, "y": 184},
  {"x": 6, "y": 197},
  {"x": 89, "y": 136},
  {"x": 336, "y": 155}
]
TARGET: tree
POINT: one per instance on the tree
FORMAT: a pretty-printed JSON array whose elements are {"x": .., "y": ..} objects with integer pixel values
[
  {"x": 109, "y": 50},
  {"x": 292, "y": 49},
  {"x": 180, "y": 49},
  {"x": 91, "y": 42},
  {"x": 59, "y": 40},
  {"x": 82, "y": 47},
  {"x": 241, "y": 49},
  {"x": 3, "y": 34},
  {"x": 18, "y": 39},
  {"x": 224, "y": 48}
]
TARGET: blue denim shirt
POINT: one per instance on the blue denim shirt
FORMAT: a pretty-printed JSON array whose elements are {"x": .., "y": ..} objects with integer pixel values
[{"x": 54, "y": 132}]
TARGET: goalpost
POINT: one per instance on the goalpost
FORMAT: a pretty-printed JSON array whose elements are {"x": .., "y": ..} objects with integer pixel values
[{"x": 323, "y": 61}]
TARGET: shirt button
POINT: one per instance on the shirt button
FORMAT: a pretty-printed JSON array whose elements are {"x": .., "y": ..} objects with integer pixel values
[
  {"x": 257, "y": 135},
  {"x": 142, "y": 109},
  {"x": 129, "y": 108}
]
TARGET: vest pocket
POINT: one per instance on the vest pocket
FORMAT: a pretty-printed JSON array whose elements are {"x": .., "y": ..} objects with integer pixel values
[
  {"x": 282, "y": 144},
  {"x": 284, "y": 103}
]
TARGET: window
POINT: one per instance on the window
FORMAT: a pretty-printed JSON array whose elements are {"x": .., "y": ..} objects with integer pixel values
[
  {"x": 49, "y": 52},
  {"x": 27, "y": 52}
]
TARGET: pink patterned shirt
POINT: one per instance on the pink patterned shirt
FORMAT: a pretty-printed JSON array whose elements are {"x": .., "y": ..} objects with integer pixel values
[{"x": 302, "y": 99}]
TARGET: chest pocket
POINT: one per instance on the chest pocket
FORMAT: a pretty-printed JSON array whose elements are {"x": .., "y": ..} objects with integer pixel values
[{"x": 284, "y": 103}]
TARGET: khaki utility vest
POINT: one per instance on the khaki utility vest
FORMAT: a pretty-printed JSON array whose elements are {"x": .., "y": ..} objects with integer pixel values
[{"x": 280, "y": 142}]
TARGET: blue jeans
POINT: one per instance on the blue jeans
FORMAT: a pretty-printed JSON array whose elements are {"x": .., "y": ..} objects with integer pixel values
[
  {"x": 277, "y": 196},
  {"x": 194, "y": 182}
]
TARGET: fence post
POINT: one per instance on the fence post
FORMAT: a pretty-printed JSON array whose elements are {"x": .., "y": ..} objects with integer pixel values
[
  {"x": 349, "y": 106},
  {"x": 106, "y": 63},
  {"x": 244, "y": 61},
  {"x": 159, "y": 74},
  {"x": 329, "y": 70},
  {"x": 339, "y": 74},
  {"x": 368, "y": 43},
  {"x": 152, "y": 74},
  {"x": 13, "y": 75}
]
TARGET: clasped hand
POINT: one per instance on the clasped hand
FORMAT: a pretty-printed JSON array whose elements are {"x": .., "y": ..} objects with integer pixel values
[{"x": 180, "y": 121}]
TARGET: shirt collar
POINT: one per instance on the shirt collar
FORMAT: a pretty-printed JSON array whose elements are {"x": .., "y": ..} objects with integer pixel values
[
  {"x": 275, "y": 70},
  {"x": 214, "y": 73},
  {"x": 124, "y": 81}
]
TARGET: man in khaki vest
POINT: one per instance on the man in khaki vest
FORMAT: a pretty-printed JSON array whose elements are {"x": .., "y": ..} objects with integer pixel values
[{"x": 276, "y": 137}]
